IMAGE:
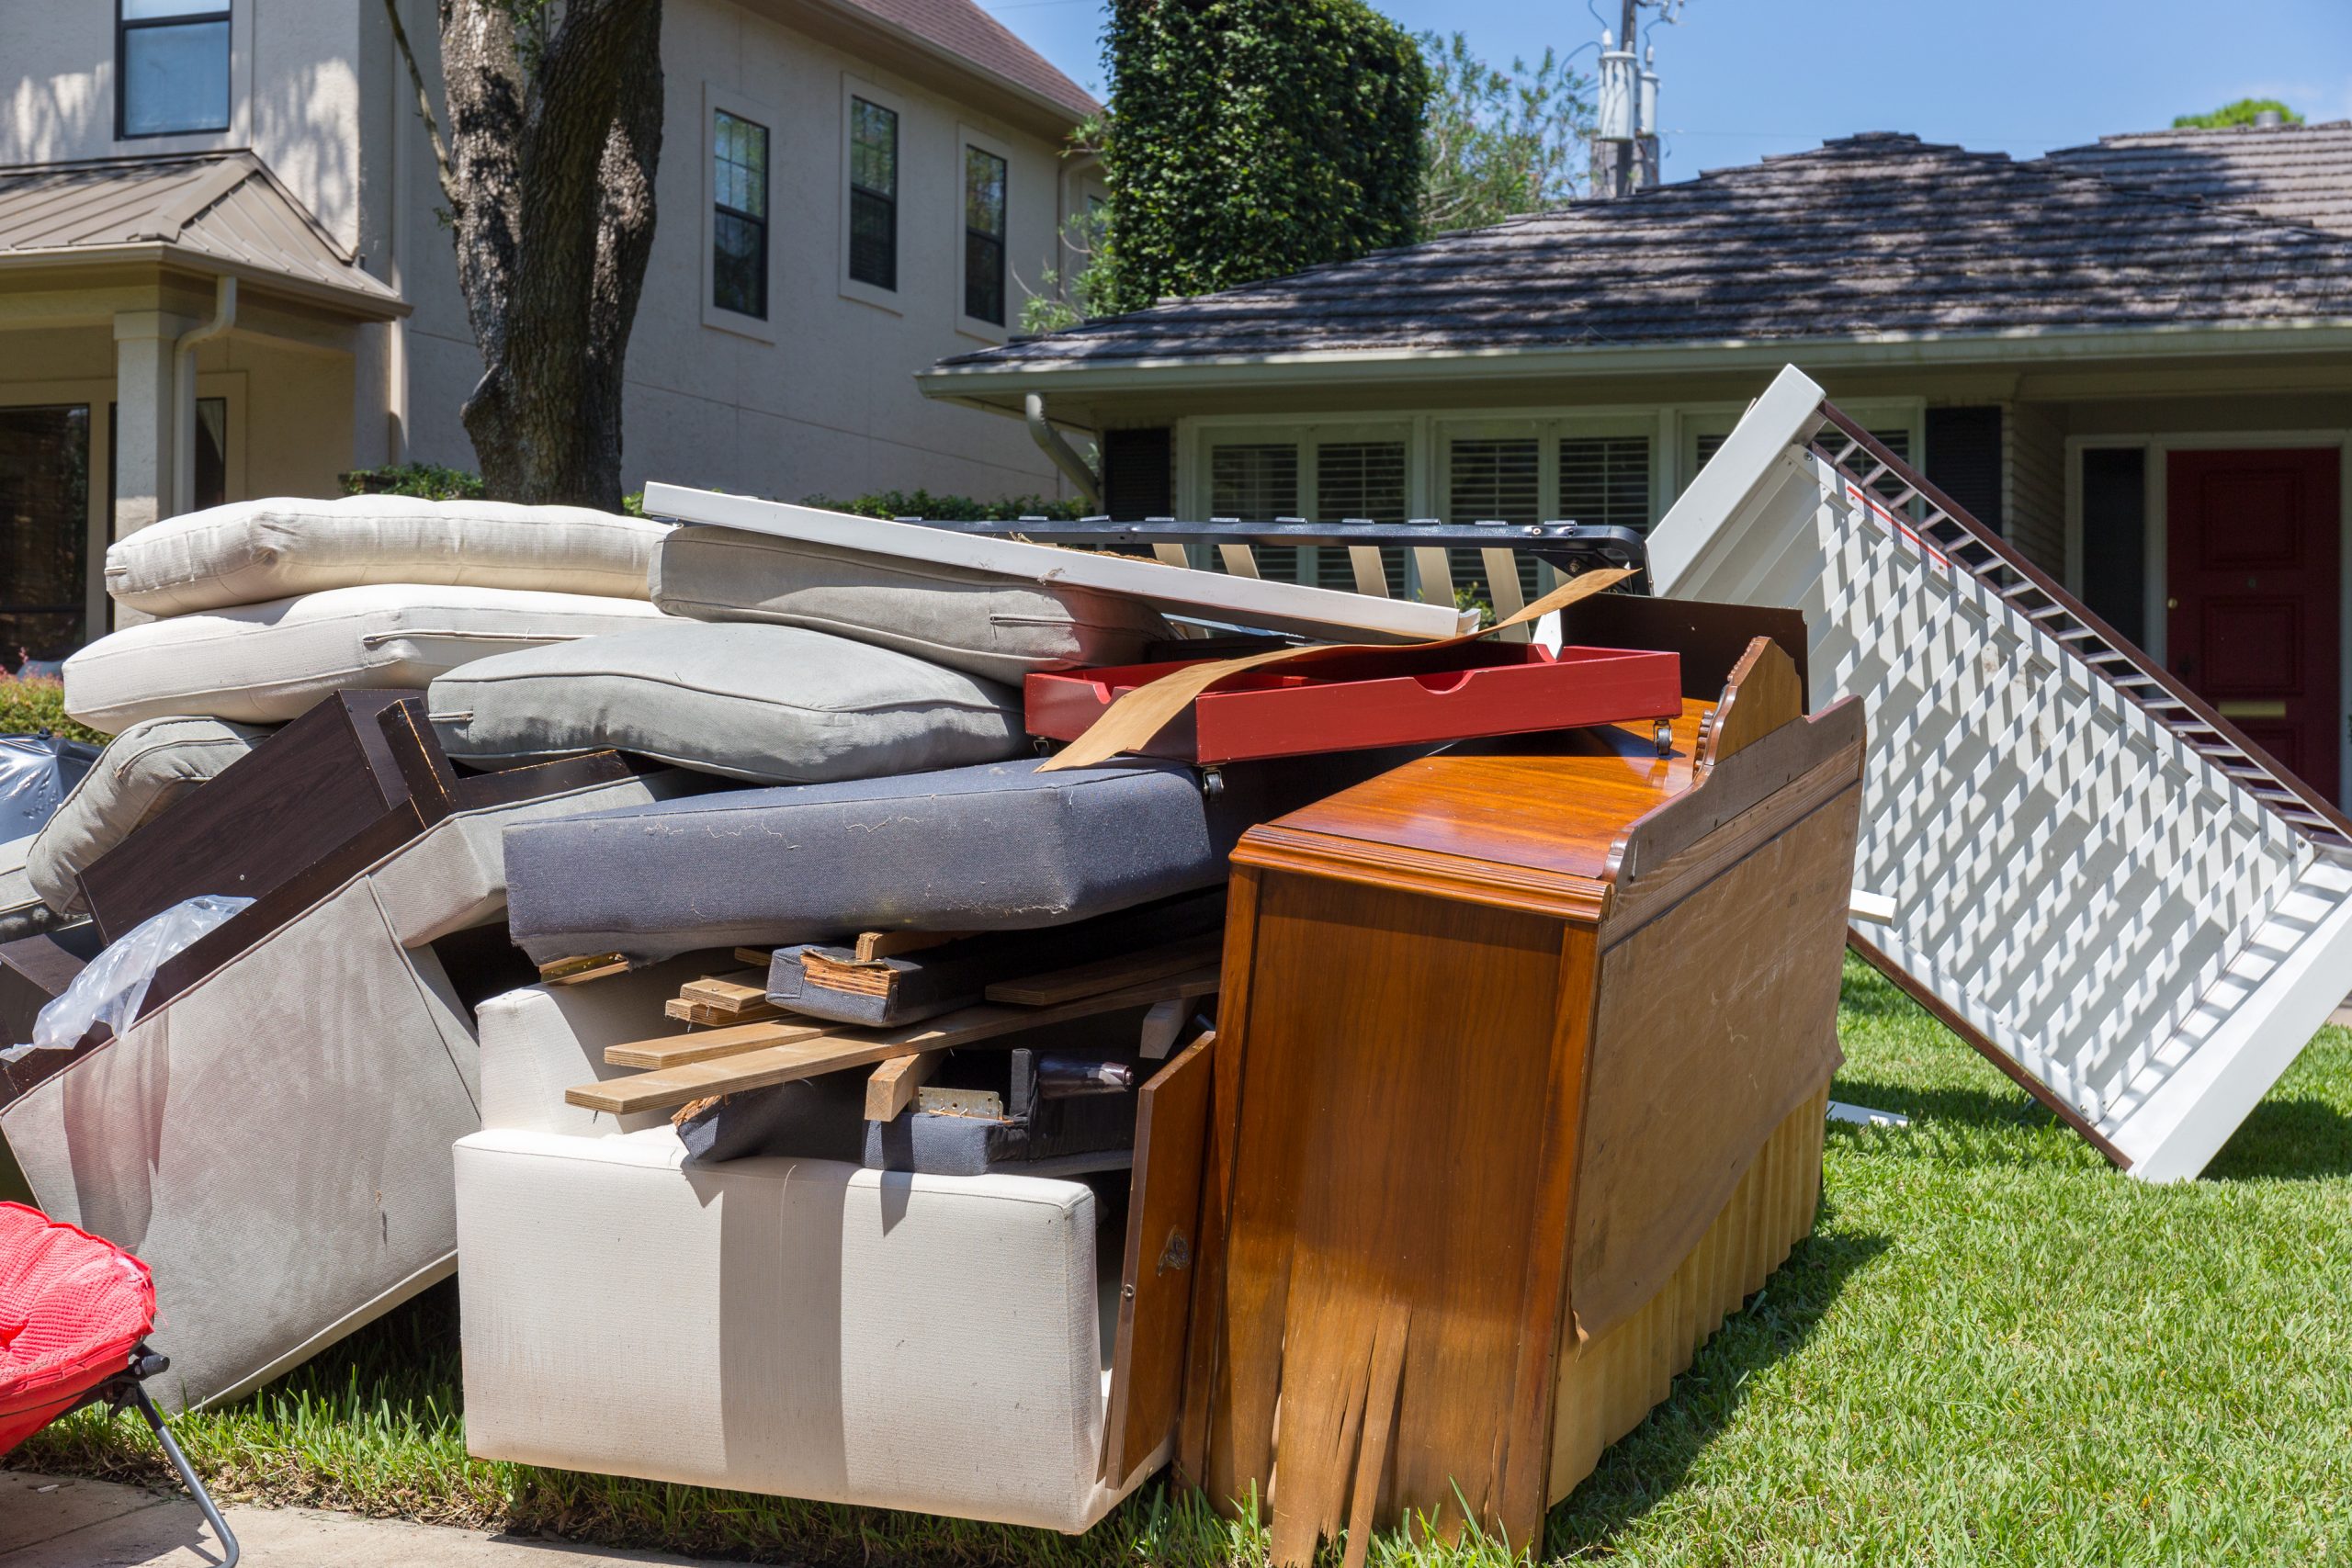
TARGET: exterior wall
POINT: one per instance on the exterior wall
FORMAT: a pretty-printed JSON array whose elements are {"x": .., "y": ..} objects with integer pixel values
[
  {"x": 827, "y": 403},
  {"x": 824, "y": 402},
  {"x": 294, "y": 95},
  {"x": 2034, "y": 494}
]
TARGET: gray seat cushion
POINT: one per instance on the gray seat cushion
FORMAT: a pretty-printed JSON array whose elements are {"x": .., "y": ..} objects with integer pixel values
[
  {"x": 998, "y": 628},
  {"x": 770, "y": 705},
  {"x": 1001, "y": 847}
]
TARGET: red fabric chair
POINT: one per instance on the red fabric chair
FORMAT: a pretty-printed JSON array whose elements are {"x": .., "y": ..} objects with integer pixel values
[
  {"x": 74, "y": 1312},
  {"x": 71, "y": 1310}
]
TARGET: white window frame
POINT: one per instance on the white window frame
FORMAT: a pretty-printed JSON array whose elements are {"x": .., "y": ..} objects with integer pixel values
[
  {"x": 716, "y": 100},
  {"x": 891, "y": 300},
  {"x": 240, "y": 133},
  {"x": 1017, "y": 294}
]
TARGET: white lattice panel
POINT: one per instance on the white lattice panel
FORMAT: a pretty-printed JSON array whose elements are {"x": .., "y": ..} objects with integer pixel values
[{"x": 2104, "y": 906}]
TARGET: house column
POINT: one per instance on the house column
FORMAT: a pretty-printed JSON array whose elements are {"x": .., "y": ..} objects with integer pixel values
[{"x": 146, "y": 426}]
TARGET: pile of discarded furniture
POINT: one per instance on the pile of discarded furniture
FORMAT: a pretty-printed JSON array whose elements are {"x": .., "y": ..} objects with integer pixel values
[
  {"x": 958, "y": 1018},
  {"x": 1010, "y": 1014}
]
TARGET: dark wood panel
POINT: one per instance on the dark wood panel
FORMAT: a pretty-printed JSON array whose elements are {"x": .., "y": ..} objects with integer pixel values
[
  {"x": 1163, "y": 1240},
  {"x": 300, "y": 794}
]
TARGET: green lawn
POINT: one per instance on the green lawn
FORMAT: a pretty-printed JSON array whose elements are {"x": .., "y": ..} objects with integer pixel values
[{"x": 1995, "y": 1349}]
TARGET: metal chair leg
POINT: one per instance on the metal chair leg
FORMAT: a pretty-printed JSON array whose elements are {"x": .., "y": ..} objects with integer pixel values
[{"x": 187, "y": 1474}]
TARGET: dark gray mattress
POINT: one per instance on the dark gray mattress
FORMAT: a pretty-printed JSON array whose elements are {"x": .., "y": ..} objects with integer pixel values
[{"x": 995, "y": 847}]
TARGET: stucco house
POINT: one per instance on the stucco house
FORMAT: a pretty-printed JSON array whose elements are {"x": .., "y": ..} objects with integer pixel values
[
  {"x": 849, "y": 189},
  {"x": 2133, "y": 358}
]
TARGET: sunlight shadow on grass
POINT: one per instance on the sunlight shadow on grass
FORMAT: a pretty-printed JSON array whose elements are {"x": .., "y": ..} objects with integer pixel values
[
  {"x": 2301, "y": 1139},
  {"x": 1651, "y": 1463}
]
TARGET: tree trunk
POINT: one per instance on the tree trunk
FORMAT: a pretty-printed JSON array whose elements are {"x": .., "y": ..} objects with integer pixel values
[{"x": 550, "y": 180}]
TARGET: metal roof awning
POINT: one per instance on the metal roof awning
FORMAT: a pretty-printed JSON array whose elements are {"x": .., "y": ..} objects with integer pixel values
[{"x": 218, "y": 213}]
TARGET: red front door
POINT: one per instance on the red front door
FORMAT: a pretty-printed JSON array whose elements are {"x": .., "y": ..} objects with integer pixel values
[{"x": 2253, "y": 583}]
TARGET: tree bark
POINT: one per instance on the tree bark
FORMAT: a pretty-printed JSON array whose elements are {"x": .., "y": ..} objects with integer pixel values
[{"x": 550, "y": 183}]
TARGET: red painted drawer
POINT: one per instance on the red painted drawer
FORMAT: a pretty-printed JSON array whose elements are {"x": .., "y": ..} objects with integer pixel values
[{"x": 1382, "y": 697}]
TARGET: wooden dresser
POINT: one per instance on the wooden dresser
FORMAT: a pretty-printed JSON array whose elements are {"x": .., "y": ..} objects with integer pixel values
[{"x": 1519, "y": 1078}]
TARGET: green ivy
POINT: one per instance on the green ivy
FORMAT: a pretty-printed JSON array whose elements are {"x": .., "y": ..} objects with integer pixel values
[
  {"x": 1253, "y": 138},
  {"x": 951, "y": 507}
]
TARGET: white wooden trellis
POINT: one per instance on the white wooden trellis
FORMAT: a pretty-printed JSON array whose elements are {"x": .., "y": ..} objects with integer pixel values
[{"x": 2094, "y": 878}]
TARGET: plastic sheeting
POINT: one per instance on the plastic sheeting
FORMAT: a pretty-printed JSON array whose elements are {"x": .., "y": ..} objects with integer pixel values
[
  {"x": 37, "y": 772},
  {"x": 114, "y": 984}
]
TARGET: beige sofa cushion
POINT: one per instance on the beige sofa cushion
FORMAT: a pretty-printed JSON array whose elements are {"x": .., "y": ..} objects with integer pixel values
[
  {"x": 250, "y": 552},
  {"x": 267, "y": 663},
  {"x": 139, "y": 777}
]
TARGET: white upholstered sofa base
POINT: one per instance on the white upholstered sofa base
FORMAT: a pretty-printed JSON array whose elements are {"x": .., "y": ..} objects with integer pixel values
[{"x": 802, "y": 1328}]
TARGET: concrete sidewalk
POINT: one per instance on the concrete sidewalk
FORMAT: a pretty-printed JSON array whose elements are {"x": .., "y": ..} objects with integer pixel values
[{"x": 51, "y": 1523}]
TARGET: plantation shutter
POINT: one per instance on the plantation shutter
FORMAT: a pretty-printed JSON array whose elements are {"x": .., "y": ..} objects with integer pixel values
[
  {"x": 1364, "y": 480},
  {"x": 1258, "y": 482},
  {"x": 1493, "y": 480},
  {"x": 1606, "y": 479}
]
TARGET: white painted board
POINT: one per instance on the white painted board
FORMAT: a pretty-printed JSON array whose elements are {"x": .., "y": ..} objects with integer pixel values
[{"x": 1324, "y": 614}]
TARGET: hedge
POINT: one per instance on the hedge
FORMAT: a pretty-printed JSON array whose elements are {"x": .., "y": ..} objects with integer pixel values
[
  {"x": 34, "y": 703},
  {"x": 951, "y": 507},
  {"x": 1253, "y": 138}
]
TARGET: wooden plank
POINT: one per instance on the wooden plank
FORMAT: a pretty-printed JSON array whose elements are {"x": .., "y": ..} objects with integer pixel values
[
  {"x": 757, "y": 956},
  {"x": 872, "y": 945},
  {"x": 583, "y": 968},
  {"x": 742, "y": 1067},
  {"x": 675, "y": 1050},
  {"x": 704, "y": 1015},
  {"x": 892, "y": 1088},
  {"x": 1163, "y": 1243},
  {"x": 1107, "y": 974},
  {"x": 744, "y": 988},
  {"x": 1379, "y": 1423}
]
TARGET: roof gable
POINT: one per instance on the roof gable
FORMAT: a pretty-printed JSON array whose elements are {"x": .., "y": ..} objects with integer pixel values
[{"x": 1873, "y": 236}]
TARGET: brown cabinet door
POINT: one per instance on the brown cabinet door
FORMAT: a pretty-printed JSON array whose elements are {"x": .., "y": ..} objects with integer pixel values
[
  {"x": 1163, "y": 1238},
  {"x": 2254, "y": 575}
]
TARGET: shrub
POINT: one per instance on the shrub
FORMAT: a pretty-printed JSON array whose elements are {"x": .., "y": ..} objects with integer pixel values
[
  {"x": 430, "y": 480},
  {"x": 952, "y": 508},
  {"x": 1253, "y": 138},
  {"x": 34, "y": 703}
]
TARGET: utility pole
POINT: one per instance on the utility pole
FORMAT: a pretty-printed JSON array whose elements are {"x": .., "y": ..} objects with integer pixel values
[{"x": 1620, "y": 172}]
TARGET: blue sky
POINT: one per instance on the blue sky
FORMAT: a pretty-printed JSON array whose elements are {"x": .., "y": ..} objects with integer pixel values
[{"x": 1742, "y": 78}]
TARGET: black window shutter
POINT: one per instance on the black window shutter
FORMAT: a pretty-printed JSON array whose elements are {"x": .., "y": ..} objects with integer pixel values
[
  {"x": 1140, "y": 473},
  {"x": 1964, "y": 461}
]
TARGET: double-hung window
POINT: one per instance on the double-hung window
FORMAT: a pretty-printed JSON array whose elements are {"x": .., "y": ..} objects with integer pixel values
[
  {"x": 984, "y": 175},
  {"x": 739, "y": 220},
  {"x": 171, "y": 67},
  {"x": 872, "y": 195}
]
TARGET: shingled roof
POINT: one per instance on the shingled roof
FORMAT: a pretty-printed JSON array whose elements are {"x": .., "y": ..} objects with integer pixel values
[
  {"x": 964, "y": 31},
  {"x": 1871, "y": 237},
  {"x": 212, "y": 211},
  {"x": 2297, "y": 173}
]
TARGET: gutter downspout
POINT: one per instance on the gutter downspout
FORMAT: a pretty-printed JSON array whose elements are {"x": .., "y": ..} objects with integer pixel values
[
  {"x": 225, "y": 315},
  {"x": 1050, "y": 441}
]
